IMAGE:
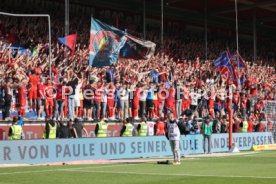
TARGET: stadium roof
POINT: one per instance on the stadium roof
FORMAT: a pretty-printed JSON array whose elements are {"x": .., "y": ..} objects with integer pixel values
[{"x": 221, "y": 13}]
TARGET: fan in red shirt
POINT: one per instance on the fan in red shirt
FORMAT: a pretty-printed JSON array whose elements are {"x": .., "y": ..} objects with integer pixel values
[
  {"x": 135, "y": 105},
  {"x": 110, "y": 101},
  {"x": 33, "y": 81},
  {"x": 60, "y": 97},
  {"x": 50, "y": 95},
  {"x": 170, "y": 101},
  {"x": 250, "y": 125},
  {"x": 22, "y": 92},
  {"x": 211, "y": 103},
  {"x": 163, "y": 75}
]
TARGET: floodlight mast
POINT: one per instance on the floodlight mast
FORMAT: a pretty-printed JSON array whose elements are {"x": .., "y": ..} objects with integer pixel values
[{"x": 49, "y": 30}]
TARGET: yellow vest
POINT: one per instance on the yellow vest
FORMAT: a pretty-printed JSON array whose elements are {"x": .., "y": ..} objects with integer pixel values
[
  {"x": 52, "y": 131},
  {"x": 244, "y": 127},
  {"x": 102, "y": 132},
  {"x": 143, "y": 130},
  {"x": 16, "y": 132},
  {"x": 128, "y": 131}
]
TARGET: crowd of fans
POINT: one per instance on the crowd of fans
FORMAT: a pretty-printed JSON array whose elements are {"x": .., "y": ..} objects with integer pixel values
[{"x": 176, "y": 79}]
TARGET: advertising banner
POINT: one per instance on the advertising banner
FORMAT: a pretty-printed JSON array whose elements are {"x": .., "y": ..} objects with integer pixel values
[{"x": 61, "y": 150}]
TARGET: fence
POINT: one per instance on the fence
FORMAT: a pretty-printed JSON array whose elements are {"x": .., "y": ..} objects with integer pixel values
[{"x": 270, "y": 112}]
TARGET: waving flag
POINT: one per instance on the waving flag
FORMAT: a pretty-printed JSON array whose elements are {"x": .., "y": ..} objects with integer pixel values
[
  {"x": 224, "y": 66},
  {"x": 69, "y": 41},
  {"x": 105, "y": 43},
  {"x": 238, "y": 61},
  {"x": 137, "y": 48}
]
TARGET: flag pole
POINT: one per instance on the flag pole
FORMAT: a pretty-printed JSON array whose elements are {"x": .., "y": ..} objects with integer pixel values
[
  {"x": 237, "y": 28},
  {"x": 162, "y": 23},
  {"x": 205, "y": 29},
  {"x": 49, "y": 31},
  {"x": 237, "y": 41},
  {"x": 144, "y": 18},
  {"x": 66, "y": 30}
]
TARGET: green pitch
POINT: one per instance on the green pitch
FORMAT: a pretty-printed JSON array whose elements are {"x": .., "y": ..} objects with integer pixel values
[{"x": 252, "y": 168}]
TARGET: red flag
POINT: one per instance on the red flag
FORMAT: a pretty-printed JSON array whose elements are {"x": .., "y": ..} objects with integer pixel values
[{"x": 69, "y": 41}]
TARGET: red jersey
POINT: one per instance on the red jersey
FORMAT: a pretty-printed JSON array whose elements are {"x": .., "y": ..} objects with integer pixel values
[
  {"x": 250, "y": 126},
  {"x": 136, "y": 94},
  {"x": 169, "y": 102},
  {"x": 160, "y": 128},
  {"x": 110, "y": 95},
  {"x": 22, "y": 92},
  {"x": 163, "y": 76},
  {"x": 38, "y": 70},
  {"x": 33, "y": 80},
  {"x": 49, "y": 91},
  {"x": 243, "y": 103},
  {"x": 41, "y": 91},
  {"x": 236, "y": 97}
]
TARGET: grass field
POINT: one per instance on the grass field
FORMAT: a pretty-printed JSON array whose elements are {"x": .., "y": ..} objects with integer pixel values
[{"x": 252, "y": 168}]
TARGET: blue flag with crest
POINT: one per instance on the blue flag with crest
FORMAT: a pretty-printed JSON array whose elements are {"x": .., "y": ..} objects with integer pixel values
[{"x": 105, "y": 43}]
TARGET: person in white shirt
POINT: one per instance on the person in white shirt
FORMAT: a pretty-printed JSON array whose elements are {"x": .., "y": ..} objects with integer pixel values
[
  {"x": 142, "y": 100},
  {"x": 104, "y": 101},
  {"x": 173, "y": 135},
  {"x": 194, "y": 97},
  {"x": 78, "y": 97},
  {"x": 123, "y": 98}
]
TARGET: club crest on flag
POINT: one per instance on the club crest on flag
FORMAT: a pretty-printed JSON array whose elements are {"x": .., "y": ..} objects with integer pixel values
[
  {"x": 224, "y": 66},
  {"x": 105, "y": 43}
]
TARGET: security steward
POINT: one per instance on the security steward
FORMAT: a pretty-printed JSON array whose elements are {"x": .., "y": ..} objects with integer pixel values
[
  {"x": 243, "y": 125},
  {"x": 15, "y": 130},
  {"x": 101, "y": 128},
  {"x": 50, "y": 131},
  {"x": 127, "y": 129},
  {"x": 142, "y": 128}
]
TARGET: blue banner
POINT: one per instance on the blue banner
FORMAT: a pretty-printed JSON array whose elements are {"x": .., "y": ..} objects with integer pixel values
[{"x": 61, "y": 150}]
